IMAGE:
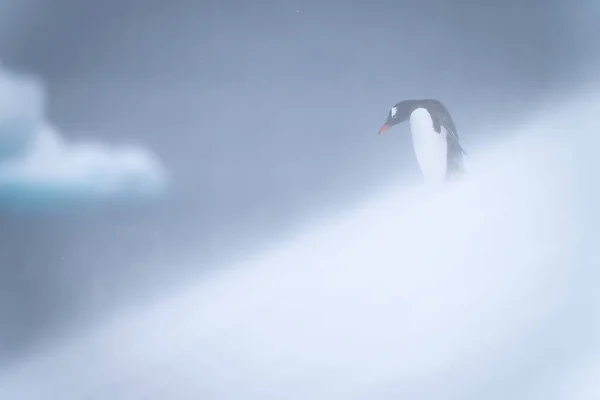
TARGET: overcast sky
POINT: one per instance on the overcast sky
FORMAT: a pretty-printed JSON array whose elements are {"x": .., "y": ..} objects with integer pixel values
[{"x": 263, "y": 112}]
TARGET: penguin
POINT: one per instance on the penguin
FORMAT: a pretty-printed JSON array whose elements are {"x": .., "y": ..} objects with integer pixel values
[{"x": 435, "y": 139}]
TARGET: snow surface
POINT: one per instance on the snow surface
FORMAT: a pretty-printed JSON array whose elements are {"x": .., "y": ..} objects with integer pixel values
[
  {"x": 38, "y": 165},
  {"x": 481, "y": 290}
]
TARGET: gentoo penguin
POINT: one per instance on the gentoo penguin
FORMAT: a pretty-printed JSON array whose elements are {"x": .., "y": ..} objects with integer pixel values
[{"x": 434, "y": 136}]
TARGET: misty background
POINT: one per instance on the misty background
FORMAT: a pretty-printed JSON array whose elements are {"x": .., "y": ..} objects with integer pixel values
[{"x": 264, "y": 113}]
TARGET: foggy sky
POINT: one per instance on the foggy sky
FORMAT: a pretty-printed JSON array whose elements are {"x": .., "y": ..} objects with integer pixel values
[{"x": 263, "y": 112}]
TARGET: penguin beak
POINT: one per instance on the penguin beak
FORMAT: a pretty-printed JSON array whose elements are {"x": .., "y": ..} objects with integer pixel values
[{"x": 383, "y": 129}]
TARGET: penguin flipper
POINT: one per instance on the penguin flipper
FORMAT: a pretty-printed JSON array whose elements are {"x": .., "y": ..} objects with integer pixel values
[
  {"x": 453, "y": 141},
  {"x": 455, "y": 155}
]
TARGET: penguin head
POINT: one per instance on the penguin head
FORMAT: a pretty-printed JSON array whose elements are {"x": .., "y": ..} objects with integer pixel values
[{"x": 399, "y": 113}]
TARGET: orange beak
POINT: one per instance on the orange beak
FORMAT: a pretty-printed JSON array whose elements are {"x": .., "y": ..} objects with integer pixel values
[{"x": 383, "y": 129}]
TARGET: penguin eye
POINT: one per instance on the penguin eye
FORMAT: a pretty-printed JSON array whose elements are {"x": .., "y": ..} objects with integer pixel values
[{"x": 393, "y": 112}]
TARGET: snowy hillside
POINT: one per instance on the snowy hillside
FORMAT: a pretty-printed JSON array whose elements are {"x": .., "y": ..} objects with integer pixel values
[{"x": 477, "y": 291}]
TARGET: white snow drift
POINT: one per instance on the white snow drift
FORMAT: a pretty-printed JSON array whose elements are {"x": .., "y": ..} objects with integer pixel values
[{"x": 469, "y": 292}]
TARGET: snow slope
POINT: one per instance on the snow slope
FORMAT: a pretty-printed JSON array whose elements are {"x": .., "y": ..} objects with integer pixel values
[{"x": 482, "y": 290}]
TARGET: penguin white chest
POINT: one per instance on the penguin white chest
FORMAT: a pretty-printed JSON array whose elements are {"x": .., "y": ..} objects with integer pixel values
[{"x": 430, "y": 147}]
